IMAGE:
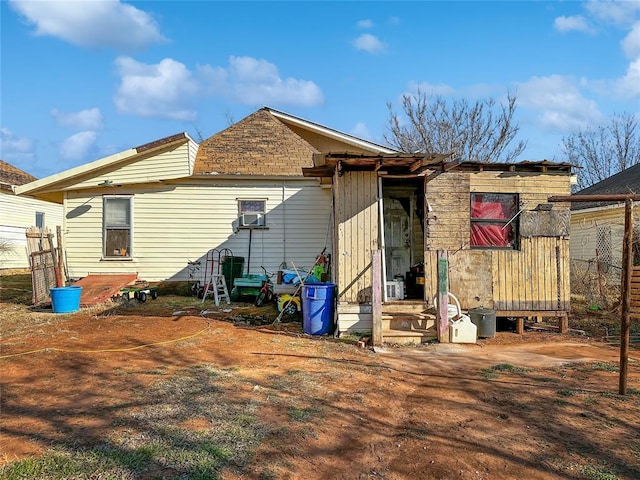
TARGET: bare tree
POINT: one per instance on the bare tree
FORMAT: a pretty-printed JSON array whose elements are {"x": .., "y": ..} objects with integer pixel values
[
  {"x": 604, "y": 150},
  {"x": 481, "y": 131}
]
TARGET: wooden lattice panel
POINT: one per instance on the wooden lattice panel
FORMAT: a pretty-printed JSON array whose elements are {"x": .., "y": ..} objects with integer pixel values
[{"x": 635, "y": 292}]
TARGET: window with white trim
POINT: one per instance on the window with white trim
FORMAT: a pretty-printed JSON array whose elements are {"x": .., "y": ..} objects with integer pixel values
[
  {"x": 116, "y": 229},
  {"x": 252, "y": 212}
]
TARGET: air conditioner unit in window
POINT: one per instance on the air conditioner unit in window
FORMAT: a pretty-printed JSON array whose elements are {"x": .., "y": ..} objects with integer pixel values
[
  {"x": 252, "y": 220},
  {"x": 395, "y": 290}
]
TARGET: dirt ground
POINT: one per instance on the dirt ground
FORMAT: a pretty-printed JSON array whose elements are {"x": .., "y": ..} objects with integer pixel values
[{"x": 536, "y": 406}]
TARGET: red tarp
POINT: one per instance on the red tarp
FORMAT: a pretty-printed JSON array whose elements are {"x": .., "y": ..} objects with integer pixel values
[{"x": 499, "y": 207}]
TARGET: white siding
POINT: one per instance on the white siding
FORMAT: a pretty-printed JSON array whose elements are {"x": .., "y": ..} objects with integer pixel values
[
  {"x": 16, "y": 215},
  {"x": 174, "y": 224},
  {"x": 170, "y": 164},
  {"x": 354, "y": 318},
  {"x": 584, "y": 232}
]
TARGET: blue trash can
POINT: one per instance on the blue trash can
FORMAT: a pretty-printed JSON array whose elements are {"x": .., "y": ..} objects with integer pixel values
[
  {"x": 317, "y": 308},
  {"x": 65, "y": 299}
]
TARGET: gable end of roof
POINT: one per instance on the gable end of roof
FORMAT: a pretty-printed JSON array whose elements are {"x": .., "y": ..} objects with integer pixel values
[{"x": 259, "y": 144}]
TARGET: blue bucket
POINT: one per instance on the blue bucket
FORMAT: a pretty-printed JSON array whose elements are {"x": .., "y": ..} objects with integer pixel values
[
  {"x": 317, "y": 308},
  {"x": 65, "y": 299}
]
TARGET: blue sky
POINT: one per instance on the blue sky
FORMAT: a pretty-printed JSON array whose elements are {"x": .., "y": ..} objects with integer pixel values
[{"x": 81, "y": 80}]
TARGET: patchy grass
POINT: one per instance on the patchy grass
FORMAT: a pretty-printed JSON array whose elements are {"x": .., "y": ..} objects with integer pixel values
[
  {"x": 16, "y": 289},
  {"x": 598, "y": 366},
  {"x": 598, "y": 472},
  {"x": 155, "y": 437},
  {"x": 493, "y": 372}
]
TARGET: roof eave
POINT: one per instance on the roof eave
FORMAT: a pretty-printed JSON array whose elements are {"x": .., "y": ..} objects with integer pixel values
[
  {"x": 46, "y": 184},
  {"x": 330, "y": 132}
]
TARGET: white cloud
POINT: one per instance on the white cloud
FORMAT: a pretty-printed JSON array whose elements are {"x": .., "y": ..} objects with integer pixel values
[
  {"x": 169, "y": 89},
  {"x": 11, "y": 144},
  {"x": 361, "y": 130},
  {"x": 90, "y": 119},
  {"x": 252, "y": 81},
  {"x": 365, "y": 24},
  {"x": 163, "y": 90},
  {"x": 629, "y": 85},
  {"x": 614, "y": 12},
  {"x": 573, "y": 23},
  {"x": 77, "y": 146},
  {"x": 559, "y": 103},
  {"x": 101, "y": 23},
  {"x": 369, "y": 43},
  {"x": 631, "y": 43}
]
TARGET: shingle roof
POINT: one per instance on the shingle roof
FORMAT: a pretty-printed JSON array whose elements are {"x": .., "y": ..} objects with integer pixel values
[
  {"x": 626, "y": 181},
  {"x": 260, "y": 144},
  {"x": 10, "y": 175}
]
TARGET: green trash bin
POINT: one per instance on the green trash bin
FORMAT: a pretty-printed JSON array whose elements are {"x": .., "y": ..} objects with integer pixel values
[{"x": 231, "y": 269}]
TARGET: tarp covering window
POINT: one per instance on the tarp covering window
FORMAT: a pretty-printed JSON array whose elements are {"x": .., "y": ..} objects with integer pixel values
[{"x": 490, "y": 216}]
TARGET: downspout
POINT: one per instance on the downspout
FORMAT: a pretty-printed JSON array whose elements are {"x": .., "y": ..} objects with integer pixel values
[{"x": 284, "y": 224}]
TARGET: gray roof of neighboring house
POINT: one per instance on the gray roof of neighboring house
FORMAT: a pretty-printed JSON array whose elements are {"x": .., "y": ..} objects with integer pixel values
[{"x": 626, "y": 181}]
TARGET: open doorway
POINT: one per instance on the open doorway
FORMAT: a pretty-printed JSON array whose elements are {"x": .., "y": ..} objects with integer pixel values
[{"x": 403, "y": 218}]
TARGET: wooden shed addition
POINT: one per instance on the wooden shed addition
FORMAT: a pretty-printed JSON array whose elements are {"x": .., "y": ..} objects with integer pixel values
[{"x": 507, "y": 247}]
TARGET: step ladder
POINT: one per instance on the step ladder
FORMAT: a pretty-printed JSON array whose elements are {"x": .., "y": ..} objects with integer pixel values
[{"x": 214, "y": 282}]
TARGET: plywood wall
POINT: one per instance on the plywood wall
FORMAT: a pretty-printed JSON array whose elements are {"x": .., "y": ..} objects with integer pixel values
[
  {"x": 533, "y": 277},
  {"x": 356, "y": 225}
]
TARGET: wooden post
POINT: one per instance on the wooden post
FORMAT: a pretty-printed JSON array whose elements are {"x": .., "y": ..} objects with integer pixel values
[
  {"x": 627, "y": 270},
  {"x": 56, "y": 265},
  {"x": 61, "y": 262},
  {"x": 442, "y": 320},
  {"x": 376, "y": 297}
]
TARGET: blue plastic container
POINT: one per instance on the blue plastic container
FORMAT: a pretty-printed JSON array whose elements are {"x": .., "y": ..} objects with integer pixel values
[
  {"x": 65, "y": 299},
  {"x": 317, "y": 308}
]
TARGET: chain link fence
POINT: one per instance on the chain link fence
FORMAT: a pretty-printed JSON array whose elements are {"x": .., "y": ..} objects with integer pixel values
[{"x": 597, "y": 282}]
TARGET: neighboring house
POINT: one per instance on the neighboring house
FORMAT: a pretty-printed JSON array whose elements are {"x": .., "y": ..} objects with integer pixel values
[
  {"x": 507, "y": 247},
  {"x": 17, "y": 214},
  {"x": 597, "y": 228},
  {"x": 154, "y": 208}
]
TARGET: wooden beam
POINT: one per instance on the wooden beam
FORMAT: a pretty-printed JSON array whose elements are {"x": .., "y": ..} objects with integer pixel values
[
  {"x": 627, "y": 270},
  {"x": 616, "y": 197},
  {"x": 520, "y": 325},
  {"x": 442, "y": 319},
  {"x": 376, "y": 297}
]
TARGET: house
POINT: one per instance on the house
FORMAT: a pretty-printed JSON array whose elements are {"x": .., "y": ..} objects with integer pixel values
[
  {"x": 597, "y": 228},
  {"x": 17, "y": 214},
  {"x": 155, "y": 208},
  {"x": 506, "y": 248},
  {"x": 276, "y": 189}
]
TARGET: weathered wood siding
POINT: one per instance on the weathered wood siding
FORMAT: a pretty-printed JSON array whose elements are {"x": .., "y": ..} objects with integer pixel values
[
  {"x": 173, "y": 163},
  {"x": 174, "y": 224},
  {"x": 534, "y": 277},
  {"x": 356, "y": 207},
  {"x": 16, "y": 215}
]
